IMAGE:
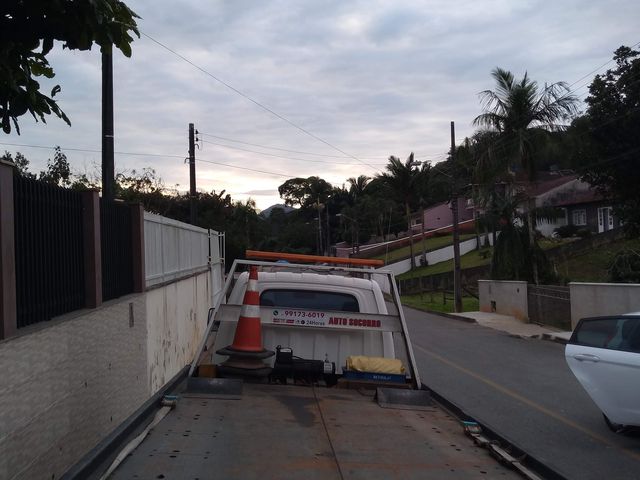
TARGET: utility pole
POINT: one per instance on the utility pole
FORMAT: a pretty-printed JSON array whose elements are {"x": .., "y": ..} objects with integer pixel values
[
  {"x": 328, "y": 246},
  {"x": 457, "y": 287},
  {"x": 192, "y": 175},
  {"x": 108, "y": 177},
  {"x": 319, "y": 228}
]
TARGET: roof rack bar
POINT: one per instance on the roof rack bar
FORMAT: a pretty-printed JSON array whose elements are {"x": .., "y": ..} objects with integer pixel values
[{"x": 298, "y": 257}]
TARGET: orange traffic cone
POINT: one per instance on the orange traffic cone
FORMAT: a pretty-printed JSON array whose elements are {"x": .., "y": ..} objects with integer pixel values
[
  {"x": 246, "y": 352},
  {"x": 248, "y": 337}
]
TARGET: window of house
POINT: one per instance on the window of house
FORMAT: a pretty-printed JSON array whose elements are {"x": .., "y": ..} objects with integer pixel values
[{"x": 579, "y": 217}]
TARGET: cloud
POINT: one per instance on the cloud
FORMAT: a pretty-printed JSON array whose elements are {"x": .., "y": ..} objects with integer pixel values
[{"x": 372, "y": 78}]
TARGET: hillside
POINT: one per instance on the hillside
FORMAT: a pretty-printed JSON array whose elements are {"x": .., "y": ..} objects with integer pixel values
[{"x": 592, "y": 266}]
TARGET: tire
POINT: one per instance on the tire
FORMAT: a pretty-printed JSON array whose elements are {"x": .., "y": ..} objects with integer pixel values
[{"x": 614, "y": 427}]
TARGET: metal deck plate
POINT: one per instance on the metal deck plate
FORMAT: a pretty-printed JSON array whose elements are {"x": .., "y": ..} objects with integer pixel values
[
  {"x": 404, "y": 399},
  {"x": 294, "y": 432},
  {"x": 229, "y": 388}
]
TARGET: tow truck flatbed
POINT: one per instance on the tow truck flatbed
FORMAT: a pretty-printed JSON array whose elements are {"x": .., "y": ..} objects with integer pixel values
[{"x": 305, "y": 432}]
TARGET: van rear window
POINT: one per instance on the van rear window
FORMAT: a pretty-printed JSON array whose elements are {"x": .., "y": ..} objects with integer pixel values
[{"x": 309, "y": 300}]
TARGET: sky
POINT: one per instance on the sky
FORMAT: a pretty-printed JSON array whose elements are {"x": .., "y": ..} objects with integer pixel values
[{"x": 327, "y": 88}]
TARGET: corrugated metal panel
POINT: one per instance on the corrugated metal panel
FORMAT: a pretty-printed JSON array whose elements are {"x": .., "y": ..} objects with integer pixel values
[{"x": 173, "y": 249}]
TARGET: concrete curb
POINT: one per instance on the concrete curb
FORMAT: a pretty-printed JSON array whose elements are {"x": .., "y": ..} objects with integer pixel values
[
  {"x": 447, "y": 315},
  {"x": 553, "y": 338},
  {"x": 452, "y": 316}
]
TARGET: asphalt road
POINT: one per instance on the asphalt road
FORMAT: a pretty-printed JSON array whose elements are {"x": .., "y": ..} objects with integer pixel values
[{"x": 523, "y": 390}]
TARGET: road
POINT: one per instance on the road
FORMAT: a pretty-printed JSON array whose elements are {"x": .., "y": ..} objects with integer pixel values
[{"x": 523, "y": 390}]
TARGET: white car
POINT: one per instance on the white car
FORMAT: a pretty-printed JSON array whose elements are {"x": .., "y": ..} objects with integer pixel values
[{"x": 604, "y": 355}]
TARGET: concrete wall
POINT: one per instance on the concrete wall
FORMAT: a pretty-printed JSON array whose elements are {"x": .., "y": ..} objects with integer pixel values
[
  {"x": 71, "y": 381},
  {"x": 433, "y": 257},
  {"x": 595, "y": 299},
  {"x": 504, "y": 297}
]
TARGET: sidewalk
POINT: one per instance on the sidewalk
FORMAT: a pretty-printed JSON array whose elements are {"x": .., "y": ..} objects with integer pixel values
[{"x": 515, "y": 327}]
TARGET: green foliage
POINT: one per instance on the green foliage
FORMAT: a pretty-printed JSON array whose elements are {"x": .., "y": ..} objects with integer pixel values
[
  {"x": 613, "y": 124},
  {"x": 405, "y": 184},
  {"x": 566, "y": 231},
  {"x": 21, "y": 163},
  {"x": 514, "y": 257},
  {"x": 305, "y": 192},
  {"x": 58, "y": 170},
  {"x": 435, "y": 302},
  {"x": 625, "y": 267},
  {"x": 28, "y": 31}
]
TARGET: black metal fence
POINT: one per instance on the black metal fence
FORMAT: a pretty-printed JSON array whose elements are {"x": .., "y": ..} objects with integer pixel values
[
  {"x": 550, "y": 305},
  {"x": 48, "y": 250},
  {"x": 115, "y": 243}
]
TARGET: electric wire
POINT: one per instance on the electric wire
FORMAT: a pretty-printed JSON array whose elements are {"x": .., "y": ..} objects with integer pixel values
[
  {"x": 257, "y": 103},
  {"x": 226, "y": 139},
  {"x": 276, "y": 155}
]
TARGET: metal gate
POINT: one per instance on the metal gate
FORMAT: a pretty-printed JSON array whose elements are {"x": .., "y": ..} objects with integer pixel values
[{"x": 550, "y": 305}]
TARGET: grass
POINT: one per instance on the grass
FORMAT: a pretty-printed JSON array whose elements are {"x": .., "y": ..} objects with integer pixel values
[
  {"x": 434, "y": 302},
  {"x": 472, "y": 259},
  {"x": 593, "y": 266},
  {"x": 430, "y": 244}
]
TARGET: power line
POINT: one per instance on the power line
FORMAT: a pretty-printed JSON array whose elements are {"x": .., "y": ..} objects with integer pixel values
[
  {"x": 264, "y": 107},
  {"x": 182, "y": 157},
  {"x": 86, "y": 150},
  {"x": 276, "y": 174},
  {"x": 277, "y": 156},
  {"x": 273, "y": 148}
]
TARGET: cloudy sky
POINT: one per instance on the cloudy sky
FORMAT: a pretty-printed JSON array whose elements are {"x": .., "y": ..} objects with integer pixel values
[{"x": 365, "y": 79}]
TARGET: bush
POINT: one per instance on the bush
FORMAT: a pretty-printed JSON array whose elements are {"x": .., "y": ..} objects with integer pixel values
[
  {"x": 625, "y": 267},
  {"x": 567, "y": 231},
  {"x": 583, "y": 232}
]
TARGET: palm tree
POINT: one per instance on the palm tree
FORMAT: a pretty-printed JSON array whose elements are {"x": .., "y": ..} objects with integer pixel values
[
  {"x": 522, "y": 116},
  {"x": 357, "y": 186},
  {"x": 404, "y": 183}
]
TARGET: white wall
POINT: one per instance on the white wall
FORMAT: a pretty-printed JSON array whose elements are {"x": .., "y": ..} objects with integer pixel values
[
  {"x": 433, "y": 257},
  {"x": 547, "y": 228},
  {"x": 67, "y": 383},
  {"x": 596, "y": 299},
  {"x": 172, "y": 249},
  {"x": 510, "y": 298}
]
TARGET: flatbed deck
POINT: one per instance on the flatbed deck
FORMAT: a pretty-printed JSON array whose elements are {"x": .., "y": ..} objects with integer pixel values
[{"x": 300, "y": 432}]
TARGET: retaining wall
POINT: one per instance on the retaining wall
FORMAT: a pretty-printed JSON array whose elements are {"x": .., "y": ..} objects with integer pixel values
[
  {"x": 596, "y": 299},
  {"x": 504, "y": 297},
  {"x": 69, "y": 382}
]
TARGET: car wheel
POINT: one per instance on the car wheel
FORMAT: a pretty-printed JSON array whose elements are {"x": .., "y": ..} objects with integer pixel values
[{"x": 614, "y": 427}]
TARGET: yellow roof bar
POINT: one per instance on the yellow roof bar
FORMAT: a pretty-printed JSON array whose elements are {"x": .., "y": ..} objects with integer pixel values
[{"x": 300, "y": 258}]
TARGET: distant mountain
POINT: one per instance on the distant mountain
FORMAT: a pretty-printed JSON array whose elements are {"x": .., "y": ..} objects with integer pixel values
[{"x": 266, "y": 213}]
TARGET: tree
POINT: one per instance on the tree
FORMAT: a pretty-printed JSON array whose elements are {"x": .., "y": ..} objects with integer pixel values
[
  {"x": 522, "y": 116},
  {"x": 403, "y": 182},
  {"x": 305, "y": 192},
  {"x": 514, "y": 257},
  {"x": 613, "y": 123},
  {"x": 21, "y": 163},
  {"x": 28, "y": 30},
  {"x": 58, "y": 171}
]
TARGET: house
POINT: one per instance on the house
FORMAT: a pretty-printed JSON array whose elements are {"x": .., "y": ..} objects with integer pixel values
[
  {"x": 440, "y": 215},
  {"x": 579, "y": 203},
  {"x": 584, "y": 207}
]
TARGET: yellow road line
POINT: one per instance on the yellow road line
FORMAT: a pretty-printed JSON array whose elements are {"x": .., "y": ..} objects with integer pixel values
[{"x": 528, "y": 402}]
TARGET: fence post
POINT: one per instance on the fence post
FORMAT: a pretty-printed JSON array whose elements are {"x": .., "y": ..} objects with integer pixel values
[
  {"x": 137, "y": 247},
  {"x": 8, "y": 312},
  {"x": 92, "y": 248}
]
